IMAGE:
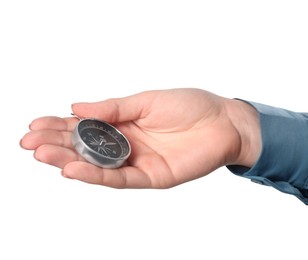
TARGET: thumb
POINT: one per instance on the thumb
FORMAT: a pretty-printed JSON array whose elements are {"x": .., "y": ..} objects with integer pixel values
[{"x": 113, "y": 110}]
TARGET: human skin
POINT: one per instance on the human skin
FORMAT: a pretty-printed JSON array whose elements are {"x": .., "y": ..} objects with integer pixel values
[{"x": 176, "y": 135}]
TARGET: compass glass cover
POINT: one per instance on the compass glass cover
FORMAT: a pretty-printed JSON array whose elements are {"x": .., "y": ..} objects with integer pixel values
[{"x": 103, "y": 138}]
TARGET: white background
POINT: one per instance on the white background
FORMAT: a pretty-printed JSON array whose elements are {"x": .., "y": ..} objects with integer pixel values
[{"x": 54, "y": 53}]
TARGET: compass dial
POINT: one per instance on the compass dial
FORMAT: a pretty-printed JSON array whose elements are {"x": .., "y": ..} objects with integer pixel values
[{"x": 101, "y": 143}]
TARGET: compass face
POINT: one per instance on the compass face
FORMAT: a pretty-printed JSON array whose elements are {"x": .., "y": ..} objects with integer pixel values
[
  {"x": 101, "y": 142},
  {"x": 103, "y": 138}
]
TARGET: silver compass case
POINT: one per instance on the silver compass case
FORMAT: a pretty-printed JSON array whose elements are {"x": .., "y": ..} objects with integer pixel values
[{"x": 100, "y": 143}]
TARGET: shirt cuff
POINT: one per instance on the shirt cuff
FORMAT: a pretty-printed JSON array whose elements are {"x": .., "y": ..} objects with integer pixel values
[{"x": 283, "y": 161}]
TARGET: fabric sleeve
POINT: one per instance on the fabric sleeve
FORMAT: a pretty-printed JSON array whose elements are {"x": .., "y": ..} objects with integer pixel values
[{"x": 283, "y": 161}]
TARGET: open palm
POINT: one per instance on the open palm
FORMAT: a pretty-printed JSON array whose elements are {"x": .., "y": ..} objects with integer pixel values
[{"x": 176, "y": 136}]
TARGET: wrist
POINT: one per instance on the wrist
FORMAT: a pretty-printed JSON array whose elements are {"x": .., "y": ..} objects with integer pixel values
[{"x": 245, "y": 120}]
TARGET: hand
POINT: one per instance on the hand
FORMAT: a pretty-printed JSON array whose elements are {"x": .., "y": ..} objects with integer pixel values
[{"x": 176, "y": 135}]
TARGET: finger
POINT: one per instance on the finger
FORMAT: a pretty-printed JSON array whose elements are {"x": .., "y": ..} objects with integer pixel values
[
  {"x": 116, "y": 109},
  {"x": 53, "y": 122},
  {"x": 55, "y": 155},
  {"x": 34, "y": 139},
  {"x": 124, "y": 177}
]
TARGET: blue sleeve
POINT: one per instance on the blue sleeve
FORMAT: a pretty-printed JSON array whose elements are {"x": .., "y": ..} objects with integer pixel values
[{"x": 283, "y": 162}]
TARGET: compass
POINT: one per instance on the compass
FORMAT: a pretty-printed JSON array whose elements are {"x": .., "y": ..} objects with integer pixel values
[{"x": 100, "y": 143}]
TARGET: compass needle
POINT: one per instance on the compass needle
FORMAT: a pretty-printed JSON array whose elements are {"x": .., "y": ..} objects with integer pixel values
[{"x": 105, "y": 144}]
